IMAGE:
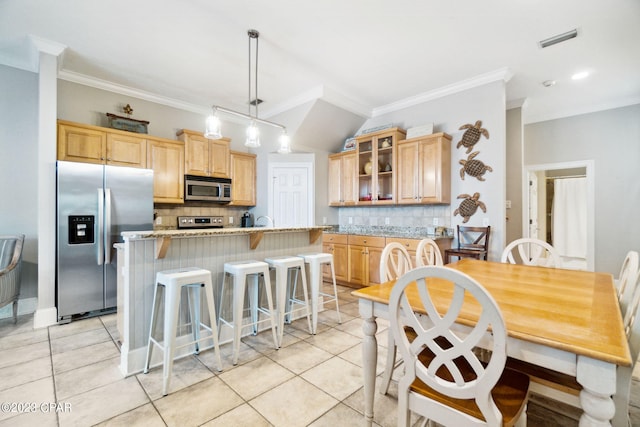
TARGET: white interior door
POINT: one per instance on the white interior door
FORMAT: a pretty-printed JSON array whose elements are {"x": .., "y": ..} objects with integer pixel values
[{"x": 292, "y": 195}]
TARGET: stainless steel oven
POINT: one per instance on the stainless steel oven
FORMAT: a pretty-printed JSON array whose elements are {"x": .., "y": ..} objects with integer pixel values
[{"x": 206, "y": 189}]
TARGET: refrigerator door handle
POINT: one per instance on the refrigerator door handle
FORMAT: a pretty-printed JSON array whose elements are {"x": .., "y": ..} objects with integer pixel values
[
  {"x": 107, "y": 226},
  {"x": 100, "y": 226}
]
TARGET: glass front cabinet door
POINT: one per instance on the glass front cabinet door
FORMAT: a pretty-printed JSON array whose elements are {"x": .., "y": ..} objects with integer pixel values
[{"x": 377, "y": 165}]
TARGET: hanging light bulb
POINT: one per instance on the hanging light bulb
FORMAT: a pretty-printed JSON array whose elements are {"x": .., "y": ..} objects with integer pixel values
[
  {"x": 213, "y": 124},
  {"x": 285, "y": 143},
  {"x": 253, "y": 136},
  {"x": 213, "y": 130}
]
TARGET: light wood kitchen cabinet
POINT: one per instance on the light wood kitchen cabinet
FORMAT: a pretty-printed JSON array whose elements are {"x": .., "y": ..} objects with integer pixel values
[
  {"x": 243, "y": 179},
  {"x": 364, "y": 259},
  {"x": 424, "y": 170},
  {"x": 205, "y": 157},
  {"x": 357, "y": 258},
  {"x": 126, "y": 150},
  {"x": 93, "y": 144},
  {"x": 166, "y": 158},
  {"x": 377, "y": 166},
  {"x": 343, "y": 179},
  {"x": 336, "y": 244}
]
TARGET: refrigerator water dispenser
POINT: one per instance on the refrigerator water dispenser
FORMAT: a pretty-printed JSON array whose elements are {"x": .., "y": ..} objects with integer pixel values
[{"x": 81, "y": 229}]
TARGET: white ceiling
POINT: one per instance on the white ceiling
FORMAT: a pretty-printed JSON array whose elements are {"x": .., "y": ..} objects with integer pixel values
[{"x": 366, "y": 55}]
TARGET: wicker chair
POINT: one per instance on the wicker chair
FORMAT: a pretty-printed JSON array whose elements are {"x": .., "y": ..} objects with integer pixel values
[{"x": 10, "y": 266}]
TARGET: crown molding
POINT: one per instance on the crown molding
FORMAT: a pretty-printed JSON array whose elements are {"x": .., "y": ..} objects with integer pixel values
[
  {"x": 83, "y": 79},
  {"x": 24, "y": 53},
  {"x": 502, "y": 74}
]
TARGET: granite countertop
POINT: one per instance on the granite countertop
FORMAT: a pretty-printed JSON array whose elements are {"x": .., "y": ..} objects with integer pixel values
[
  {"x": 150, "y": 234},
  {"x": 399, "y": 232}
]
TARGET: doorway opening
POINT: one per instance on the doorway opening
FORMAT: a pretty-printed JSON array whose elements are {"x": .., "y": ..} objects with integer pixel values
[{"x": 558, "y": 207}]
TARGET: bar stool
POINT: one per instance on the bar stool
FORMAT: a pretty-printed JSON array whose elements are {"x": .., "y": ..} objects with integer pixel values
[
  {"x": 285, "y": 292},
  {"x": 173, "y": 281},
  {"x": 315, "y": 261},
  {"x": 239, "y": 271}
]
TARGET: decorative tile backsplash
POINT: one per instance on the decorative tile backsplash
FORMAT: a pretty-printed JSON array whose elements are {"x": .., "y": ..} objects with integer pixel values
[
  {"x": 405, "y": 216},
  {"x": 166, "y": 216}
]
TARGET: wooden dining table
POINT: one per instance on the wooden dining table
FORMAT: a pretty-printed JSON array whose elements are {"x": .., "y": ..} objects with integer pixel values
[{"x": 565, "y": 320}]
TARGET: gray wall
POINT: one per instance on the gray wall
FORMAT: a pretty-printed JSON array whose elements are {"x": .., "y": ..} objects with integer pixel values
[
  {"x": 18, "y": 167},
  {"x": 612, "y": 139}
]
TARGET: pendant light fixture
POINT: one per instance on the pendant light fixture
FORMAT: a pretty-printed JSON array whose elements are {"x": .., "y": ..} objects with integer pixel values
[{"x": 213, "y": 126}]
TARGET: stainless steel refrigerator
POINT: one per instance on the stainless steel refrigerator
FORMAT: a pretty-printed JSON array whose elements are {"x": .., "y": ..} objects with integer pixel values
[{"x": 95, "y": 203}]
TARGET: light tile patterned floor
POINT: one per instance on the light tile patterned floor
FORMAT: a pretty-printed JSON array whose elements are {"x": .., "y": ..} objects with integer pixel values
[{"x": 311, "y": 381}]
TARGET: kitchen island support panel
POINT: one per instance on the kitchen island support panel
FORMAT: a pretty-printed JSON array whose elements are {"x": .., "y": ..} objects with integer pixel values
[{"x": 207, "y": 250}]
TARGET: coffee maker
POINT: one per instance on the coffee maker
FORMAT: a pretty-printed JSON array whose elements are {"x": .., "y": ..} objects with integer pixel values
[{"x": 246, "y": 220}]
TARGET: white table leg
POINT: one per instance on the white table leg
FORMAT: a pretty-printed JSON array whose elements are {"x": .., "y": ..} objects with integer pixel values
[
  {"x": 369, "y": 362},
  {"x": 598, "y": 380}
]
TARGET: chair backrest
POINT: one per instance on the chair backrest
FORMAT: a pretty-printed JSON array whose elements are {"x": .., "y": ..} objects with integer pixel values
[
  {"x": 442, "y": 373},
  {"x": 625, "y": 279},
  {"x": 474, "y": 238},
  {"x": 11, "y": 251},
  {"x": 394, "y": 262},
  {"x": 631, "y": 319},
  {"x": 531, "y": 252},
  {"x": 428, "y": 253}
]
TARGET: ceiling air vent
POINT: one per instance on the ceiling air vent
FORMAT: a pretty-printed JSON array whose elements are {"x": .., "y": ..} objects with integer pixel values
[{"x": 558, "y": 39}]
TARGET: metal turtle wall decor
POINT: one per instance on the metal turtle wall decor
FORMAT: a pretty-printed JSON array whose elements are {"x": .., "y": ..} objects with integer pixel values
[
  {"x": 472, "y": 135},
  {"x": 473, "y": 167},
  {"x": 469, "y": 206}
]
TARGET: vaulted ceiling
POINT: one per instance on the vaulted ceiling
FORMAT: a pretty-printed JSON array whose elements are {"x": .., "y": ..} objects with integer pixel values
[{"x": 364, "y": 56}]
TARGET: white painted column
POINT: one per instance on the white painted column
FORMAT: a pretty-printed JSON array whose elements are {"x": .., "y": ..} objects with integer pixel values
[{"x": 48, "y": 52}]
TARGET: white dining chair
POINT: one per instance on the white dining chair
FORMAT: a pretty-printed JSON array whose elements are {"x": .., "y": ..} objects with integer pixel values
[
  {"x": 443, "y": 380},
  {"x": 631, "y": 322},
  {"x": 428, "y": 253},
  {"x": 395, "y": 261},
  {"x": 625, "y": 279},
  {"x": 530, "y": 251}
]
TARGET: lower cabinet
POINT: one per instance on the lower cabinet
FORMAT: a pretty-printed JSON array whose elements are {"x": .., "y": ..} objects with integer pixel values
[
  {"x": 364, "y": 259},
  {"x": 356, "y": 258},
  {"x": 336, "y": 244}
]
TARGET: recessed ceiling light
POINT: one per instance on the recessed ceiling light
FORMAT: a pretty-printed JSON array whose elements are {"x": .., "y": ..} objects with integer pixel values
[
  {"x": 548, "y": 83},
  {"x": 558, "y": 39},
  {"x": 580, "y": 75}
]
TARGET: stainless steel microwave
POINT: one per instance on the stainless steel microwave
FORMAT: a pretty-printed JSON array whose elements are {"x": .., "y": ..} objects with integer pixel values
[{"x": 206, "y": 189}]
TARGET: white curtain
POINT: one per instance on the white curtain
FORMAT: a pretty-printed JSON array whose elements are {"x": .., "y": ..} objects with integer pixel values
[{"x": 569, "y": 221}]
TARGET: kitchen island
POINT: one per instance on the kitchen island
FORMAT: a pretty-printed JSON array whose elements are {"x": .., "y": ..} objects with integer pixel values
[{"x": 144, "y": 253}]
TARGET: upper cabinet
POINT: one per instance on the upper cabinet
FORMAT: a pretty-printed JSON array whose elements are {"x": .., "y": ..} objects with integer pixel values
[
  {"x": 243, "y": 179},
  {"x": 93, "y": 144},
  {"x": 424, "y": 170},
  {"x": 166, "y": 158},
  {"x": 205, "y": 157},
  {"x": 343, "y": 179},
  {"x": 377, "y": 165}
]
